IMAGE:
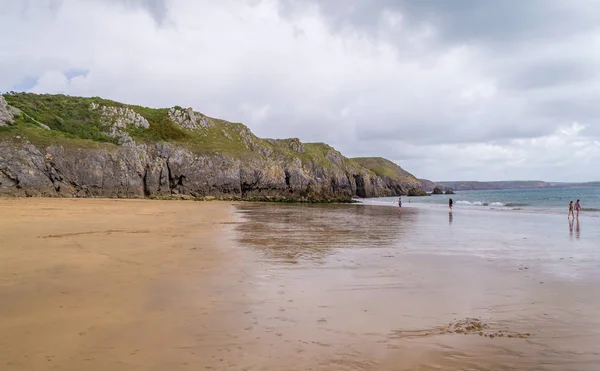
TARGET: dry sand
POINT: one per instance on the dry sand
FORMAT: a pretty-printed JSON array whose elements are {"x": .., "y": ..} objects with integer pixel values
[
  {"x": 153, "y": 285},
  {"x": 106, "y": 284}
]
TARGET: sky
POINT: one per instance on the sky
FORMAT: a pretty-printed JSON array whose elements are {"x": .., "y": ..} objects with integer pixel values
[{"x": 449, "y": 90}]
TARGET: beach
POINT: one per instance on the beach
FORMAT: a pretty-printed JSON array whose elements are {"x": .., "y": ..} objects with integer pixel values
[{"x": 100, "y": 284}]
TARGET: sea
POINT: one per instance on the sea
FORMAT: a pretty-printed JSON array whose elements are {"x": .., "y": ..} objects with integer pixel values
[{"x": 545, "y": 200}]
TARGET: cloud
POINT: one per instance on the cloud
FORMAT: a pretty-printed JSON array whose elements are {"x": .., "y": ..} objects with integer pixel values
[{"x": 449, "y": 90}]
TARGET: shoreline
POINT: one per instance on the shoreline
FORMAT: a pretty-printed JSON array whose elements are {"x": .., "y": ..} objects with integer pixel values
[{"x": 591, "y": 213}]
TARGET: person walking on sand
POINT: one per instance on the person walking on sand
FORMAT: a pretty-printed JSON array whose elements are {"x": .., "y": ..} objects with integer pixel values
[
  {"x": 577, "y": 208},
  {"x": 571, "y": 210},
  {"x": 450, "y": 204}
]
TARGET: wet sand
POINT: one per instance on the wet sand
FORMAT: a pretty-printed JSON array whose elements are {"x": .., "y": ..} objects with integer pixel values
[{"x": 150, "y": 285}]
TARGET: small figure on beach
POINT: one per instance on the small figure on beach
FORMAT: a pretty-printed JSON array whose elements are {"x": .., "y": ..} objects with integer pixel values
[
  {"x": 571, "y": 210},
  {"x": 399, "y": 201},
  {"x": 577, "y": 208},
  {"x": 450, "y": 202}
]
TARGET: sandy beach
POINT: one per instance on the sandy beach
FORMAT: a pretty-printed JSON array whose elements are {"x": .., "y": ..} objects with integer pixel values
[{"x": 156, "y": 285}]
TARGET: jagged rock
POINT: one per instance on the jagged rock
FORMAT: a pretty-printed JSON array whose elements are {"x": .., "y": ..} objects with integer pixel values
[
  {"x": 120, "y": 117},
  {"x": 164, "y": 169},
  {"x": 437, "y": 191},
  {"x": 449, "y": 191},
  {"x": 296, "y": 145},
  {"x": 291, "y": 143},
  {"x": 7, "y": 114},
  {"x": 115, "y": 121},
  {"x": 334, "y": 156},
  {"x": 188, "y": 119}
]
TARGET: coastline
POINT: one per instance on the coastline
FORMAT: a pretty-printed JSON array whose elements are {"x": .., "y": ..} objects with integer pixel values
[{"x": 461, "y": 205}]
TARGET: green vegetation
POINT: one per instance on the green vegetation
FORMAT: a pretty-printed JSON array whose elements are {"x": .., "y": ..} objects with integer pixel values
[
  {"x": 222, "y": 137},
  {"x": 311, "y": 154},
  {"x": 161, "y": 126},
  {"x": 69, "y": 115},
  {"x": 382, "y": 167},
  {"x": 43, "y": 137},
  {"x": 72, "y": 119}
]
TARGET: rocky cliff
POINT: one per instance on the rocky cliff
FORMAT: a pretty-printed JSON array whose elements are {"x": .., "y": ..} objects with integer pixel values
[
  {"x": 392, "y": 175},
  {"x": 56, "y": 145}
]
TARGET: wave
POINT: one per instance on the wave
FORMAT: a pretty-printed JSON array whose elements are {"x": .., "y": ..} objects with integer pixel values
[
  {"x": 496, "y": 204},
  {"x": 479, "y": 203},
  {"x": 589, "y": 209},
  {"x": 469, "y": 203}
]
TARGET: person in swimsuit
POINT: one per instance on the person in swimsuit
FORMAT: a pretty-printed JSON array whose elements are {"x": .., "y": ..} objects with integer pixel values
[
  {"x": 400, "y": 202},
  {"x": 571, "y": 210},
  {"x": 450, "y": 204},
  {"x": 577, "y": 208}
]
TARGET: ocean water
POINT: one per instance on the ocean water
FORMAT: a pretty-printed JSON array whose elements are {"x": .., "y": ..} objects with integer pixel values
[{"x": 552, "y": 201}]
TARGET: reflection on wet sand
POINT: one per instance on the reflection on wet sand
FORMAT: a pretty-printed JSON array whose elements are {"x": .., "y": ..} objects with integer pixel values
[
  {"x": 574, "y": 222},
  {"x": 372, "y": 302},
  {"x": 292, "y": 232},
  {"x": 570, "y": 228}
]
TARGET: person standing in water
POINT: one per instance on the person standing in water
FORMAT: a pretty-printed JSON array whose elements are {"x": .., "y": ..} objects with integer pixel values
[
  {"x": 400, "y": 202},
  {"x": 577, "y": 208},
  {"x": 571, "y": 210},
  {"x": 450, "y": 204}
]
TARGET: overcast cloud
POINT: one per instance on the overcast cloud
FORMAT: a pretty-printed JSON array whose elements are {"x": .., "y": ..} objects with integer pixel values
[{"x": 449, "y": 90}]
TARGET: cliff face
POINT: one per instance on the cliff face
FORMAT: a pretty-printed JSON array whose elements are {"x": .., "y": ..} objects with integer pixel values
[
  {"x": 396, "y": 179},
  {"x": 53, "y": 145}
]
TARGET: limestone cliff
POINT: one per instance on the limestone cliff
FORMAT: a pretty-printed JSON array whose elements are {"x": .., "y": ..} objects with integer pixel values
[{"x": 55, "y": 145}]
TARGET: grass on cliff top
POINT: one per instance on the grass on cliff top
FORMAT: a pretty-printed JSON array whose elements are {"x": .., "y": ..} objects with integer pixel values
[
  {"x": 382, "y": 167},
  {"x": 314, "y": 154},
  {"x": 44, "y": 138},
  {"x": 70, "y": 115},
  {"x": 72, "y": 119}
]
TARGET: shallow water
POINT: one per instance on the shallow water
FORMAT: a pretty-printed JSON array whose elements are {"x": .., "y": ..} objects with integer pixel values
[
  {"x": 360, "y": 287},
  {"x": 549, "y": 201}
]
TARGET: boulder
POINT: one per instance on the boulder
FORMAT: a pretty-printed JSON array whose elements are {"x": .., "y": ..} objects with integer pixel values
[
  {"x": 417, "y": 192},
  {"x": 437, "y": 191}
]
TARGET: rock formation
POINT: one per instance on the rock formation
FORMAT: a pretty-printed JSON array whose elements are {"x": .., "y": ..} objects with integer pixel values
[
  {"x": 437, "y": 191},
  {"x": 140, "y": 152},
  {"x": 7, "y": 113}
]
